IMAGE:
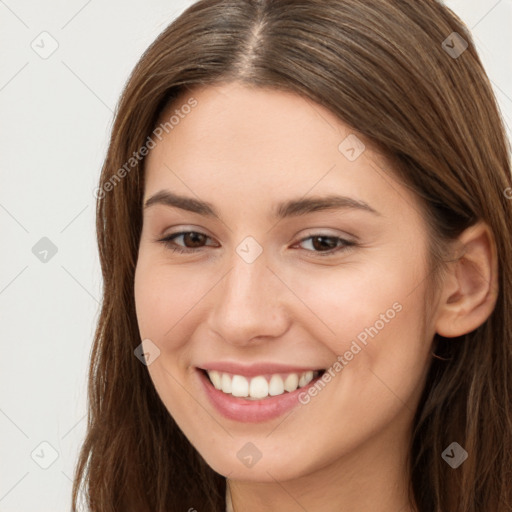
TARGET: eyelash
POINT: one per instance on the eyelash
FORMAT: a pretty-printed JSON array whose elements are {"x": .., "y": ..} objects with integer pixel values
[{"x": 169, "y": 243}]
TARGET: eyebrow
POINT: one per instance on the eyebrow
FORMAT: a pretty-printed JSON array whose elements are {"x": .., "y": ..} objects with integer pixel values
[{"x": 289, "y": 208}]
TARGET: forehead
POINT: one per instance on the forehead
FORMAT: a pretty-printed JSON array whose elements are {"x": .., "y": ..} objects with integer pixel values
[
  {"x": 252, "y": 118},
  {"x": 245, "y": 144}
]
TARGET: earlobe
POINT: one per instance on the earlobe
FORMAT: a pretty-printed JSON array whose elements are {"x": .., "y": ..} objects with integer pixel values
[{"x": 470, "y": 288}]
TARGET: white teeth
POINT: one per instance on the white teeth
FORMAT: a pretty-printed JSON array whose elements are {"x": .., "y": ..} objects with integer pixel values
[
  {"x": 292, "y": 382},
  {"x": 216, "y": 380},
  {"x": 305, "y": 378},
  {"x": 239, "y": 386},
  {"x": 226, "y": 383},
  {"x": 275, "y": 386},
  {"x": 258, "y": 387}
]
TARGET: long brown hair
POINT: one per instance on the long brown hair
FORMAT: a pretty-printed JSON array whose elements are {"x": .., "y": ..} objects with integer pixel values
[{"x": 386, "y": 68}]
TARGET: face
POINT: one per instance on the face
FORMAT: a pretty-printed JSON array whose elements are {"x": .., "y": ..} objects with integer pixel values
[{"x": 276, "y": 281}]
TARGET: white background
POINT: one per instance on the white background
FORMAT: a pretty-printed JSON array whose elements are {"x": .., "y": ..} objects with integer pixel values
[{"x": 55, "y": 117}]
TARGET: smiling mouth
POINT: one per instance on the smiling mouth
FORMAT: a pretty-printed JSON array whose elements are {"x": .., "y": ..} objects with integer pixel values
[{"x": 261, "y": 386}]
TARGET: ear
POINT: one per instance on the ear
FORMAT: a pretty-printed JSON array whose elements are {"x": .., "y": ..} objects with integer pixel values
[{"x": 470, "y": 288}]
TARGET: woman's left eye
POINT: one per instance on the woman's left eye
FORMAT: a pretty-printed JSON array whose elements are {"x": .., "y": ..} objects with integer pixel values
[{"x": 333, "y": 244}]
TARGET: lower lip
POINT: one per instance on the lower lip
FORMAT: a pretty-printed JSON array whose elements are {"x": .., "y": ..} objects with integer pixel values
[{"x": 251, "y": 411}]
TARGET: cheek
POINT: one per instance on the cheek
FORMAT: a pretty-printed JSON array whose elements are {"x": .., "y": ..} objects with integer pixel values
[
  {"x": 373, "y": 320},
  {"x": 381, "y": 356},
  {"x": 163, "y": 296},
  {"x": 344, "y": 303}
]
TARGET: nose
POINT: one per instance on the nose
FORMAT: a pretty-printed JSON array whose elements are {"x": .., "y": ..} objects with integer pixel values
[{"x": 248, "y": 303}]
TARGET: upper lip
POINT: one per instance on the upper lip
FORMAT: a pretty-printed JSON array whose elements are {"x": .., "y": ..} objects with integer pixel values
[{"x": 255, "y": 369}]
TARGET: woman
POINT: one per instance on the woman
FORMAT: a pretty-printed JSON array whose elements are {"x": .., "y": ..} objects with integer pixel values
[{"x": 303, "y": 222}]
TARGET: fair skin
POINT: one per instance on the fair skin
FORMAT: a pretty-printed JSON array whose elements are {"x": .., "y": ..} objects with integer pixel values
[{"x": 244, "y": 151}]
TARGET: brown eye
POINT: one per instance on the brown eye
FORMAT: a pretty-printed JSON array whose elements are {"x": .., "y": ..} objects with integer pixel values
[
  {"x": 191, "y": 239},
  {"x": 326, "y": 245}
]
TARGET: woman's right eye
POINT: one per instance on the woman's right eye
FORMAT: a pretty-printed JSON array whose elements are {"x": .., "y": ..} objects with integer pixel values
[{"x": 195, "y": 238}]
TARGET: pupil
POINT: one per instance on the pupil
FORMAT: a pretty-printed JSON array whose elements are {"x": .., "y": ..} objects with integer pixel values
[
  {"x": 324, "y": 238},
  {"x": 193, "y": 236}
]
